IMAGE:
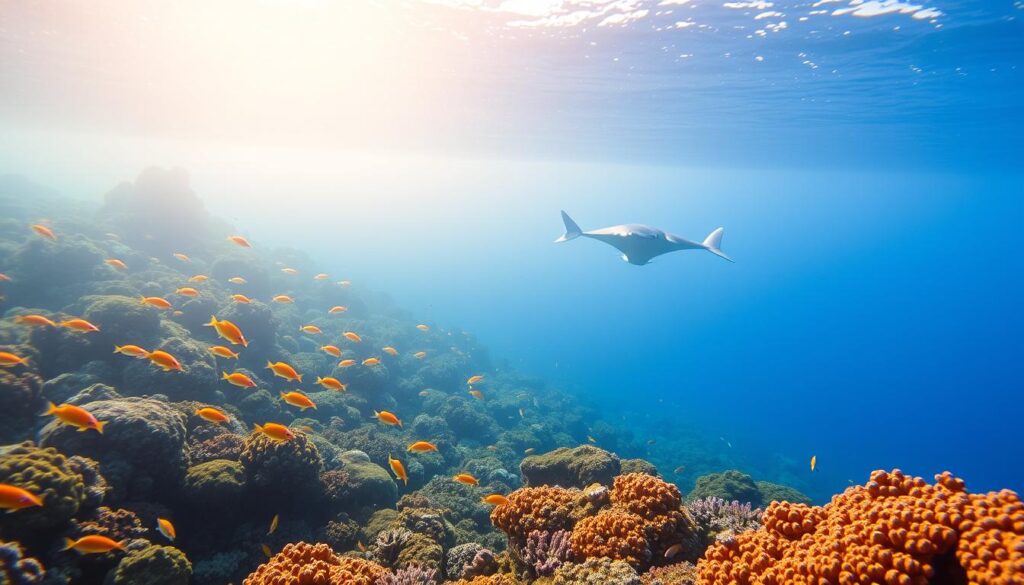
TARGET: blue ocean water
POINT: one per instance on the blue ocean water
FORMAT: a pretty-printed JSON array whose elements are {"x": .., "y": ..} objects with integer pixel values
[{"x": 863, "y": 157}]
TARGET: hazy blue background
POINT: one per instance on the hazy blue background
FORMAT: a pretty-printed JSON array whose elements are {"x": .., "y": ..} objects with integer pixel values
[{"x": 863, "y": 157}]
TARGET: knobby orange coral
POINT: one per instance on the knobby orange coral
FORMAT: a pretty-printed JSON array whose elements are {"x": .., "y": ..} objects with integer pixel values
[
  {"x": 615, "y": 534},
  {"x": 314, "y": 564},
  {"x": 896, "y": 530},
  {"x": 546, "y": 508}
]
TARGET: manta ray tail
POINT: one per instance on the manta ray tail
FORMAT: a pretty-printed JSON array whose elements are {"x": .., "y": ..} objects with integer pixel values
[
  {"x": 572, "y": 231},
  {"x": 713, "y": 244}
]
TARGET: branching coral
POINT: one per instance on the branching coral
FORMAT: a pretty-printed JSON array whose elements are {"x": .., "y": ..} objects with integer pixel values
[
  {"x": 547, "y": 551},
  {"x": 717, "y": 520},
  {"x": 890, "y": 530},
  {"x": 314, "y": 564},
  {"x": 413, "y": 574}
]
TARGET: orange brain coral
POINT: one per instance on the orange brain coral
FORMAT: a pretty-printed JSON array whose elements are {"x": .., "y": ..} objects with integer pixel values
[
  {"x": 536, "y": 508},
  {"x": 659, "y": 504},
  {"x": 614, "y": 534},
  {"x": 314, "y": 564},
  {"x": 888, "y": 531}
]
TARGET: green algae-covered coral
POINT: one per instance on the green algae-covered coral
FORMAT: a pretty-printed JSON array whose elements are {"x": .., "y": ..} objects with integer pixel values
[
  {"x": 358, "y": 483},
  {"x": 729, "y": 485},
  {"x": 775, "y": 492},
  {"x": 153, "y": 565},
  {"x": 214, "y": 482},
  {"x": 288, "y": 467},
  {"x": 421, "y": 550},
  {"x": 571, "y": 467},
  {"x": 46, "y": 473}
]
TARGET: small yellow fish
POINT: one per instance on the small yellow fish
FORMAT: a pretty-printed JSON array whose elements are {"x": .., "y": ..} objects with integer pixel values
[
  {"x": 199, "y": 278},
  {"x": 389, "y": 350},
  {"x": 266, "y": 550},
  {"x": 331, "y": 383},
  {"x": 164, "y": 360},
  {"x": 421, "y": 447},
  {"x": 238, "y": 379},
  {"x": 360, "y": 546},
  {"x": 164, "y": 526},
  {"x": 398, "y": 469},
  {"x": 223, "y": 352},
  {"x": 239, "y": 240},
  {"x": 476, "y": 394},
  {"x": 240, "y": 298},
  {"x": 289, "y": 271},
  {"x": 423, "y": 327},
  {"x": 528, "y": 451},
  {"x": 228, "y": 330},
  {"x": 211, "y": 414},
  {"x": 474, "y": 379},
  {"x": 237, "y": 280},
  {"x": 186, "y": 291},
  {"x": 814, "y": 462},
  {"x": 331, "y": 350},
  {"x": 387, "y": 418},
  {"x": 298, "y": 399},
  {"x": 131, "y": 351},
  {"x": 116, "y": 264},
  {"x": 346, "y": 363},
  {"x": 273, "y": 524},
  {"x": 371, "y": 361},
  {"x": 352, "y": 336},
  {"x": 79, "y": 325},
  {"x": 495, "y": 500},
  {"x": 178, "y": 313},
  {"x": 419, "y": 355},
  {"x": 283, "y": 299},
  {"x": 75, "y": 416},
  {"x": 337, "y": 309},
  {"x": 283, "y": 370},
  {"x": 275, "y": 432},
  {"x": 466, "y": 478},
  {"x": 182, "y": 257},
  {"x": 311, "y": 329}
]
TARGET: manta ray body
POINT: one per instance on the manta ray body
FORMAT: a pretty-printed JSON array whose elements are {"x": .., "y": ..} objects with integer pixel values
[{"x": 640, "y": 243}]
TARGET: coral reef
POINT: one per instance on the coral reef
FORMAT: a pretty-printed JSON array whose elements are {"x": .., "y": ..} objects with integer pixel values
[
  {"x": 544, "y": 508},
  {"x": 684, "y": 573},
  {"x": 16, "y": 568},
  {"x": 717, "y": 520},
  {"x": 895, "y": 529},
  {"x": 729, "y": 485},
  {"x": 46, "y": 473},
  {"x": 545, "y": 552},
  {"x": 613, "y": 534},
  {"x": 289, "y": 467},
  {"x": 214, "y": 482},
  {"x": 413, "y": 574},
  {"x": 153, "y": 565},
  {"x": 774, "y": 492},
  {"x": 596, "y": 571},
  {"x": 358, "y": 483},
  {"x": 577, "y": 467},
  {"x": 309, "y": 564}
]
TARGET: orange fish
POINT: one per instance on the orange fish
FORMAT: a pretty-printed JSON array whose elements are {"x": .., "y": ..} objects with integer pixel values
[
  {"x": 75, "y": 416},
  {"x": 346, "y": 363},
  {"x": 211, "y": 414},
  {"x": 224, "y": 352},
  {"x": 474, "y": 379},
  {"x": 352, "y": 336},
  {"x": 34, "y": 321},
  {"x": 389, "y": 350},
  {"x": 276, "y": 432},
  {"x": 814, "y": 462},
  {"x": 283, "y": 370},
  {"x": 476, "y": 394},
  {"x": 187, "y": 291},
  {"x": 283, "y": 299},
  {"x": 237, "y": 280},
  {"x": 131, "y": 351},
  {"x": 289, "y": 271},
  {"x": 387, "y": 418},
  {"x": 182, "y": 257},
  {"x": 371, "y": 361},
  {"x": 92, "y": 544},
  {"x": 4, "y": 277},
  {"x": 238, "y": 379},
  {"x": 8, "y": 360},
  {"x": 423, "y": 327},
  {"x": 337, "y": 309},
  {"x": 199, "y": 278},
  {"x": 495, "y": 500},
  {"x": 398, "y": 469},
  {"x": 673, "y": 550},
  {"x": 80, "y": 325},
  {"x": 421, "y": 447},
  {"x": 331, "y": 349},
  {"x": 240, "y": 298},
  {"x": 331, "y": 383},
  {"x": 467, "y": 479},
  {"x": 296, "y": 398},
  {"x": 311, "y": 329},
  {"x": 44, "y": 231},
  {"x": 360, "y": 546},
  {"x": 419, "y": 355},
  {"x": 229, "y": 331},
  {"x": 165, "y": 360},
  {"x": 240, "y": 241},
  {"x": 178, "y": 313},
  {"x": 13, "y": 498},
  {"x": 158, "y": 302},
  {"x": 117, "y": 264},
  {"x": 321, "y": 276},
  {"x": 164, "y": 526}
]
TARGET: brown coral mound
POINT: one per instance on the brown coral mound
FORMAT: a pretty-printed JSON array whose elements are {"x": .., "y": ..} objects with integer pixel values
[
  {"x": 614, "y": 534},
  {"x": 888, "y": 531},
  {"x": 314, "y": 564},
  {"x": 547, "y": 508},
  {"x": 659, "y": 504}
]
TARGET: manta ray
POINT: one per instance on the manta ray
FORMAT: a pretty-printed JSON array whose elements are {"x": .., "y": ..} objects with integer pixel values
[{"x": 640, "y": 243}]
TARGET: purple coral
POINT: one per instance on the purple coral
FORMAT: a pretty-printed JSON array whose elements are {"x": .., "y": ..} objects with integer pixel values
[
  {"x": 715, "y": 517},
  {"x": 546, "y": 551},
  {"x": 17, "y": 569},
  {"x": 412, "y": 574}
]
